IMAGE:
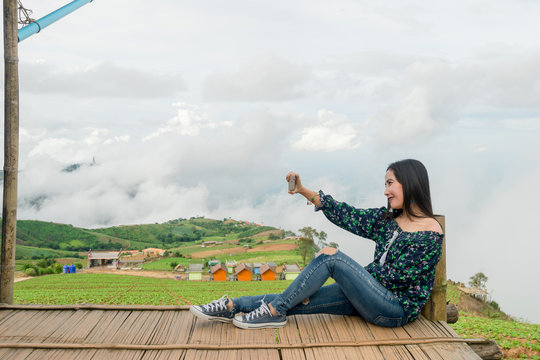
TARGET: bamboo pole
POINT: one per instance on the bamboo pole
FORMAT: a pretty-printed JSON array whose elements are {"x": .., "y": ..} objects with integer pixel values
[
  {"x": 312, "y": 345},
  {"x": 11, "y": 151},
  {"x": 435, "y": 308}
]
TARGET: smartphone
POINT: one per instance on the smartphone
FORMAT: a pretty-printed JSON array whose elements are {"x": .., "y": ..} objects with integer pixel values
[{"x": 292, "y": 182}]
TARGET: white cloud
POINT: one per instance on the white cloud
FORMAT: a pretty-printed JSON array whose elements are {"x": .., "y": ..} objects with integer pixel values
[
  {"x": 96, "y": 136},
  {"x": 189, "y": 121},
  {"x": 56, "y": 148},
  {"x": 98, "y": 80},
  {"x": 121, "y": 138},
  {"x": 333, "y": 132},
  {"x": 266, "y": 78},
  {"x": 137, "y": 181}
]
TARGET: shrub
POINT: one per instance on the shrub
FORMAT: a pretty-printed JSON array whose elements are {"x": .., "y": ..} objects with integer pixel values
[
  {"x": 44, "y": 263},
  {"x": 30, "y": 271},
  {"x": 495, "y": 305},
  {"x": 173, "y": 264},
  {"x": 57, "y": 268},
  {"x": 79, "y": 265}
]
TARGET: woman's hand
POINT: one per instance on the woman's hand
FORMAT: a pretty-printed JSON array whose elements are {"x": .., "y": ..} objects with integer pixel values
[
  {"x": 298, "y": 186},
  {"x": 311, "y": 196},
  {"x": 328, "y": 251}
]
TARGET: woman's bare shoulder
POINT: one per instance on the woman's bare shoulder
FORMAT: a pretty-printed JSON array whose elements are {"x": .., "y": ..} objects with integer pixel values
[{"x": 430, "y": 224}]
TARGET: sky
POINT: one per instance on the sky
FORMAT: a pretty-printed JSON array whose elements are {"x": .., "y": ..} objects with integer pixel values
[{"x": 176, "y": 109}]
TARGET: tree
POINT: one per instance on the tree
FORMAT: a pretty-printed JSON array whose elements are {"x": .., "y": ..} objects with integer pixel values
[
  {"x": 308, "y": 232},
  {"x": 322, "y": 239},
  {"x": 479, "y": 281},
  {"x": 306, "y": 247},
  {"x": 311, "y": 233}
]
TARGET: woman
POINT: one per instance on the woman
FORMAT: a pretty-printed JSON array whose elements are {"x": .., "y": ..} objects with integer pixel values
[{"x": 390, "y": 291}]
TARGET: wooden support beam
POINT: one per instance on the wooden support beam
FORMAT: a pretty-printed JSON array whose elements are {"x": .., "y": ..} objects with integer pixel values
[
  {"x": 11, "y": 151},
  {"x": 435, "y": 308}
]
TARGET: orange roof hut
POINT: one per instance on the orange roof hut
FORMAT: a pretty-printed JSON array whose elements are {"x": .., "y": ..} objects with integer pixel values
[
  {"x": 219, "y": 272},
  {"x": 243, "y": 272},
  {"x": 267, "y": 272}
]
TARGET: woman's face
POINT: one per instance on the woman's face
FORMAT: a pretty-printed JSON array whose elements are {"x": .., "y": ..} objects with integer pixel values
[{"x": 393, "y": 190}]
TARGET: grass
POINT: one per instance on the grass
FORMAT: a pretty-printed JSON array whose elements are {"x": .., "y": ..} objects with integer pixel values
[
  {"x": 30, "y": 252},
  {"x": 110, "y": 289},
  {"x": 165, "y": 264},
  {"x": 514, "y": 337},
  {"x": 279, "y": 257}
]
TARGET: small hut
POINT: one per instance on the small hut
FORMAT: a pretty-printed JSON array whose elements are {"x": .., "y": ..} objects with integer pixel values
[
  {"x": 102, "y": 258},
  {"x": 195, "y": 272},
  {"x": 219, "y": 272},
  {"x": 290, "y": 271},
  {"x": 214, "y": 262},
  {"x": 230, "y": 264},
  {"x": 243, "y": 273},
  {"x": 267, "y": 272},
  {"x": 180, "y": 268},
  {"x": 256, "y": 267}
]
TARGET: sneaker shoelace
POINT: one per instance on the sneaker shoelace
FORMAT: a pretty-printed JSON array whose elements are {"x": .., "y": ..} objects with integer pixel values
[
  {"x": 217, "y": 305},
  {"x": 262, "y": 310}
]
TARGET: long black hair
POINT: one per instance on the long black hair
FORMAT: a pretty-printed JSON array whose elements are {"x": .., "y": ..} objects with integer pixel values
[{"x": 413, "y": 177}]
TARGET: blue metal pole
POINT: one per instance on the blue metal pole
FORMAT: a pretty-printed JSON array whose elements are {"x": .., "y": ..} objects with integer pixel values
[{"x": 47, "y": 20}]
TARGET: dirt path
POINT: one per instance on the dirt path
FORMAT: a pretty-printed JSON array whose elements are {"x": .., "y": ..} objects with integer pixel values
[{"x": 21, "y": 278}]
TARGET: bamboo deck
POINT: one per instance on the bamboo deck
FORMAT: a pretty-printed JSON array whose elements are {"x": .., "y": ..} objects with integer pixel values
[{"x": 152, "y": 333}]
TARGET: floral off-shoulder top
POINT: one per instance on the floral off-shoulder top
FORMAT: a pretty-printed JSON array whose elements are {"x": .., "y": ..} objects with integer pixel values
[{"x": 409, "y": 268}]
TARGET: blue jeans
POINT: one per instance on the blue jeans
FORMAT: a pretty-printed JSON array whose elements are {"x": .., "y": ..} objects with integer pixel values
[{"x": 355, "y": 292}]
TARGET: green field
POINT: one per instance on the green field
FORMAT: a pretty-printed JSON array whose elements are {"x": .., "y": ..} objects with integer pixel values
[
  {"x": 165, "y": 264},
  {"x": 80, "y": 288},
  {"x": 279, "y": 257},
  {"x": 31, "y": 252}
]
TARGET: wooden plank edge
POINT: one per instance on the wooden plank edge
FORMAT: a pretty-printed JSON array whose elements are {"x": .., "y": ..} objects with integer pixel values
[{"x": 382, "y": 342}]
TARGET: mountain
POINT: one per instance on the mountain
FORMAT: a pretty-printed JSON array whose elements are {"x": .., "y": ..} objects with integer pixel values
[{"x": 66, "y": 240}]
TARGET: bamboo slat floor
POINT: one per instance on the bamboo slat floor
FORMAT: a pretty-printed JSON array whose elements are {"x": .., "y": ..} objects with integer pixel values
[{"x": 152, "y": 333}]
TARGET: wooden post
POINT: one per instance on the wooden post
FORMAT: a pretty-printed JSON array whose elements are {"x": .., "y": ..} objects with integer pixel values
[
  {"x": 435, "y": 308},
  {"x": 11, "y": 151}
]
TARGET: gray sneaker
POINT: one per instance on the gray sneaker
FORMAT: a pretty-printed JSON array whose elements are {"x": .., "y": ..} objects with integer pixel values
[
  {"x": 260, "y": 318},
  {"x": 216, "y": 310}
]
